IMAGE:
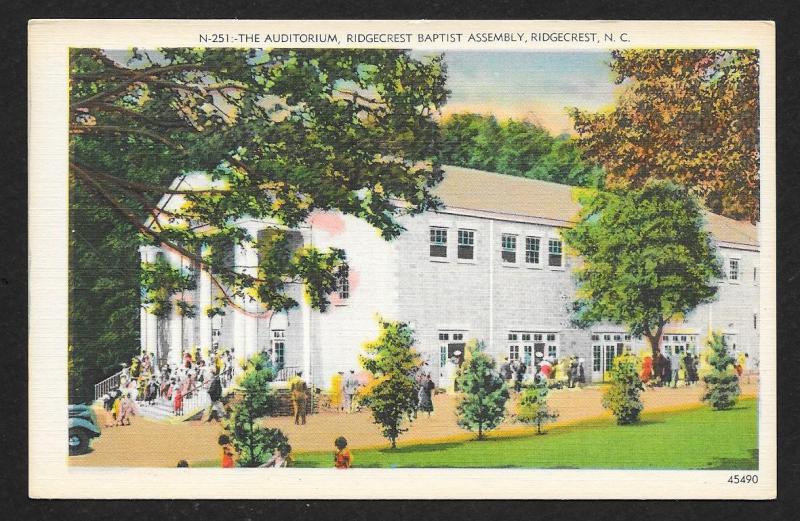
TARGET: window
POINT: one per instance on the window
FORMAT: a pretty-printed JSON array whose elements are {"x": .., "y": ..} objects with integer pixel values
[
  {"x": 513, "y": 352},
  {"x": 278, "y": 347},
  {"x": 458, "y": 336},
  {"x": 444, "y": 336},
  {"x": 512, "y": 336},
  {"x": 595, "y": 337},
  {"x": 537, "y": 336},
  {"x": 442, "y": 355},
  {"x": 466, "y": 244},
  {"x": 554, "y": 248},
  {"x": 552, "y": 351},
  {"x": 527, "y": 352},
  {"x": 532, "y": 250},
  {"x": 596, "y": 357},
  {"x": 343, "y": 283},
  {"x": 609, "y": 357},
  {"x": 551, "y": 337},
  {"x": 755, "y": 274},
  {"x": 439, "y": 242},
  {"x": 755, "y": 320},
  {"x": 733, "y": 269},
  {"x": 509, "y": 247}
]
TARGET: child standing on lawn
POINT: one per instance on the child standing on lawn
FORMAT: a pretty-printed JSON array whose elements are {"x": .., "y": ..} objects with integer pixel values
[{"x": 342, "y": 459}]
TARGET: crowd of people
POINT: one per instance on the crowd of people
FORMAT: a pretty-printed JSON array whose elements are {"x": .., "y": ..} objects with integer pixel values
[
  {"x": 666, "y": 371},
  {"x": 141, "y": 383}
]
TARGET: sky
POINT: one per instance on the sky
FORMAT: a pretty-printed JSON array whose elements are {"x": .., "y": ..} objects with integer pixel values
[{"x": 529, "y": 85}]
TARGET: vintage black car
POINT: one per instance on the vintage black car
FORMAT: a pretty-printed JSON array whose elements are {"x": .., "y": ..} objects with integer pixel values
[{"x": 83, "y": 428}]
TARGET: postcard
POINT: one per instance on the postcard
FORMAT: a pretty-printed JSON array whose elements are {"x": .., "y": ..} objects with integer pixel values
[{"x": 402, "y": 259}]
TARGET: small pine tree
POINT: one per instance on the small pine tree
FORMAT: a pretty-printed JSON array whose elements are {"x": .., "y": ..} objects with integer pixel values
[
  {"x": 722, "y": 384},
  {"x": 484, "y": 393},
  {"x": 622, "y": 397},
  {"x": 391, "y": 395},
  {"x": 254, "y": 443},
  {"x": 533, "y": 408}
]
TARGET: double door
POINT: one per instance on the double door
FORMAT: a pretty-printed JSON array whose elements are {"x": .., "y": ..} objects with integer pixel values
[{"x": 604, "y": 349}]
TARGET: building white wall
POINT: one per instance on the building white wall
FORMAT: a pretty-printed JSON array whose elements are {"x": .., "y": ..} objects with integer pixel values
[{"x": 484, "y": 298}]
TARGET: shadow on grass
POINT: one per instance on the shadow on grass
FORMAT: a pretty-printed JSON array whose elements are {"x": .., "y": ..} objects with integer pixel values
[
  {"x": 419, "y": 448},
  {"x": 750, "y": 463}
]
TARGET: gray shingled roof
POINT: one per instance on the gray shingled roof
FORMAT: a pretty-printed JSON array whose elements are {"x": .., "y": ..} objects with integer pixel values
[{"x": 470, "y": 189}]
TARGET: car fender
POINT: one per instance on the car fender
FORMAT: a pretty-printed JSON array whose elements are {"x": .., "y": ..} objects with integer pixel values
[{"x": 84, "y": 424}]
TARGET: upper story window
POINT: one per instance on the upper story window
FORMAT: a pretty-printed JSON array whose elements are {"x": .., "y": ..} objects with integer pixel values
[
  {"x": 532, "y": 250},
  {"x": 438, "y": 242},
  {"x": 755, "y": 274},
  {"x": 343, "y": 283},
  {"x": 508, "y": 243},
  {"x": 466, "y": 244},
  {"x": 733, "y": 270},
  {"x": 555, "y": 253}
]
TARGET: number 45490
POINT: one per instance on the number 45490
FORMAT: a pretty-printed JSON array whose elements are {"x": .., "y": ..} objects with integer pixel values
[{"x": 743, "y": 478}]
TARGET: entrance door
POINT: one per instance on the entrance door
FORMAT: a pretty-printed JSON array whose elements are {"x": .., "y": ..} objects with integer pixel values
[{"x": 605, "y": 348}]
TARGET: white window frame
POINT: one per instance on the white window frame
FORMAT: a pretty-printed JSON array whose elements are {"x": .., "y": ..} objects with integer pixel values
[
  {"x": 343, "y": 286},
  {"x": 504, "y": 248},
  {"x": 729, "y": 270},
  {"x": 431, "y": 230},
  {"x": 473, "y": 233},
  {"x": 562, "y": 267},
  {"x": 278, "y": 338},
  {"x": 538, "y": 263}
]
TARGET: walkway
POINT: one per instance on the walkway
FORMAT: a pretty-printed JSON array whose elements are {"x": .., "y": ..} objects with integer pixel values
[{"x": 154, "y": 444}]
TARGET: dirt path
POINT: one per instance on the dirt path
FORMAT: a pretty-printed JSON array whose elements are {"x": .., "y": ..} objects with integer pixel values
[{"x": 152, "y": 444}]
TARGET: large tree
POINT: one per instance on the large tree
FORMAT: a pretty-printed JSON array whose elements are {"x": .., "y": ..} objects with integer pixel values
[
  {"x": 691, "y": 116},
  {"x": 647, "y": 258},
  {"x": 515, "y": 147},
  {"x": 281, "y": 133}
]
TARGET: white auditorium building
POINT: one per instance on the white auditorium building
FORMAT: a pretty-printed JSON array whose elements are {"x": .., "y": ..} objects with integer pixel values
[{"x": 489, "y": 265}]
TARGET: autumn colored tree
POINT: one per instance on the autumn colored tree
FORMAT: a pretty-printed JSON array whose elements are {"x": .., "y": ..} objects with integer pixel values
[
  {"x": 691, "y": 116},
  {"x": 647, "y": 258},
  {"x": 392, "y": 394}
]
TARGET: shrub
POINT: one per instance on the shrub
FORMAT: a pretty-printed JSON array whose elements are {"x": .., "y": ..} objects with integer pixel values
[
  {"x": 533, "y": 408},
  {"x": 622, "y": 397},
  {"x": 254, "y": 443},
  {"x": 722, "y": 384},
  {"x": 484, "y": 393}
]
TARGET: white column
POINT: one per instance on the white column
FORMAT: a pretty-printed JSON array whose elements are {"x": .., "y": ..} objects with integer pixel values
[
  {"x": 305, "y": 312},
  {"x": 175, "y": 320},
  {"x": 149, "y": 322},
  {"x": 245, "y": 325},
  {"x": 204, "y": 302}
]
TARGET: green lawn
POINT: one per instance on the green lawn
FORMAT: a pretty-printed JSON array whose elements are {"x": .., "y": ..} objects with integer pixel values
[{"x": 693, "y": 439}]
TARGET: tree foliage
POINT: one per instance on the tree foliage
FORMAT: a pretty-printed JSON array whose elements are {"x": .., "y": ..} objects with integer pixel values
[
  {"x": 518, "y": 148},
  {"x": 391, "y": 396},
  {"x": 103, "y": 295},
  {"x": 691, "y": 116},
  {"x": 482, "y": 404},
  {"x": 159, "y": 282},
  {"x": 253, "y": 442},
  {"x": 646, "y": 258},
  {"x": 279, "y": 133},
  {"x": 533, "y": 406},
  {"x": 722, "y": 383},
  {"x": 623, "y": 396}
]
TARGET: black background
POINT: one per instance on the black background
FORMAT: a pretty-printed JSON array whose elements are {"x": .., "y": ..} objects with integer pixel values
[{"x": 13, "y": 264}]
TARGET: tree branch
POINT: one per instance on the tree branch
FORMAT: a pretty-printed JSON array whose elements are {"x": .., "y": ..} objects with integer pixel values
[{"x": 80, "y": 129}]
